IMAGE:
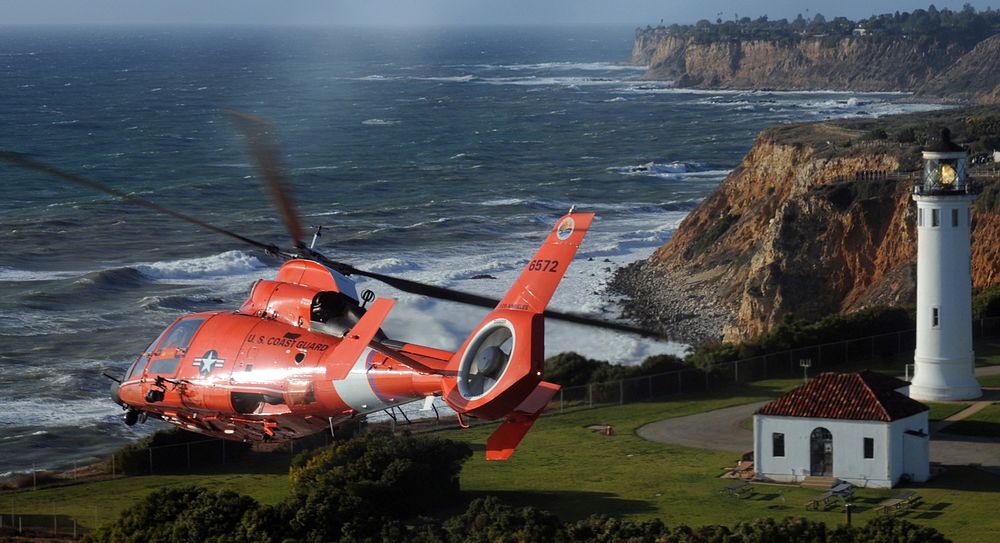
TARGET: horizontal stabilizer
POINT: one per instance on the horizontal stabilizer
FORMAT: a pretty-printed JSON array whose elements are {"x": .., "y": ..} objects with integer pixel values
[
  {"x": 357, "y": 339},
  {"x": 507, "y": 436}
]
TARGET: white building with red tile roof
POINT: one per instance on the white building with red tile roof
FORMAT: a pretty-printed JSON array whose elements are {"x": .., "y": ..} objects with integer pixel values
[{"x": 856, "y": 427}]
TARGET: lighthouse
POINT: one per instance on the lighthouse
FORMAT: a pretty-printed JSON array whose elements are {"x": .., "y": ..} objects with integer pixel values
[{"x": 944, "y": 364}]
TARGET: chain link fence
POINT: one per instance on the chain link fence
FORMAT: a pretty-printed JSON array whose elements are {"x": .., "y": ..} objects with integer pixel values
[{"x": 198, "y": 455}]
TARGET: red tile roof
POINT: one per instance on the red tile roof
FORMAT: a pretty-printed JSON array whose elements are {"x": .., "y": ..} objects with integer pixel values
[{"x": 863, "y": 395}]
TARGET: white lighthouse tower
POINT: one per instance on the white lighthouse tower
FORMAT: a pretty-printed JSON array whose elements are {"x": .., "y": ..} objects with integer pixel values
[{"x": 944, "y": 365}]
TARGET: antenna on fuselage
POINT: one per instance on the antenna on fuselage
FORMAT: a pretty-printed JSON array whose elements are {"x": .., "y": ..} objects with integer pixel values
[{"x": 316, "y": 235}]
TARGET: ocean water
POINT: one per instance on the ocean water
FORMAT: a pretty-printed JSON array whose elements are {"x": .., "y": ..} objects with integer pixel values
[{"x": 436, "y": 154}]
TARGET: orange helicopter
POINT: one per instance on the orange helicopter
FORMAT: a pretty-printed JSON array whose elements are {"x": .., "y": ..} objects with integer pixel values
[{"x": 304, "y": 353}]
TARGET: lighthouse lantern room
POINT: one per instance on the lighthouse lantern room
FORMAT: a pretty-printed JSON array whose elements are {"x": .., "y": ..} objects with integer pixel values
[{"x": 944, "y": 367}]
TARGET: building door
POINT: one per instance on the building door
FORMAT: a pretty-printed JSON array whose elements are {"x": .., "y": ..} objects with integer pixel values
[{"x": 821, "y": 452}]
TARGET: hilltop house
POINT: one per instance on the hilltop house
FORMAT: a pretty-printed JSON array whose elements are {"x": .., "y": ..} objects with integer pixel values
[{"x": 856, "y": 427}]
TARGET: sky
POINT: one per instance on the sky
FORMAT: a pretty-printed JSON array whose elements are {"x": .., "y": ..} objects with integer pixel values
[{"x": 436, "y": 12}]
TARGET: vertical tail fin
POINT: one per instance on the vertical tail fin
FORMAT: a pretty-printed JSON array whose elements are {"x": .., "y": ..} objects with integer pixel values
[
  {"x": 537, "y": 283},
  {"x": 501, "y": 362}
]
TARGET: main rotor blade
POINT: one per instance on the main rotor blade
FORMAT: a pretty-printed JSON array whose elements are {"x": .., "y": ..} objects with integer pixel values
[
  {"x": 261, "y": 147},
  {"x": 405, "y": 285},
  {"x": 20, "y": 160},
  {"x": 443, "y": 293}
]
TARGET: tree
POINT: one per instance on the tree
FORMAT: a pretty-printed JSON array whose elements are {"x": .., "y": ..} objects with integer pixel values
[
  {"x": 180, "y": 514},
  {"x": 488, "y": 521},
  {"x": 342, "y": 491},
  {"x": 894, "y": 530}
]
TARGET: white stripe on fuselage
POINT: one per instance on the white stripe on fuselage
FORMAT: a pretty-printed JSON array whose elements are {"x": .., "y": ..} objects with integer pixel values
[{"x": 357, "y": 391}]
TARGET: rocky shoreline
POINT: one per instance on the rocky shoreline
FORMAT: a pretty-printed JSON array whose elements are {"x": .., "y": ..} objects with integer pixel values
[{"x": 683, "y": 309}]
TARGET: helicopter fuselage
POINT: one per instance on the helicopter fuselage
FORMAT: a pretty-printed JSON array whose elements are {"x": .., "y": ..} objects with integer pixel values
[{"x": 255, "y": 378}]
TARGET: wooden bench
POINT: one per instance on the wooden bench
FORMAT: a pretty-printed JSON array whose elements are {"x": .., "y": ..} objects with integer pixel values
[
  {"x": 823, "y": 498},
  {"x": 900, "y": 503},
  {"x": 844, "y": 491},
  {"x": 741, "y": 489}
]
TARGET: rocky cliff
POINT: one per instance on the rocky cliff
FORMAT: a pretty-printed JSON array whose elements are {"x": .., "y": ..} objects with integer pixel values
[
  {"x": 816, "y": 219},
  {"x": 975, "y": 77},
  {"x": 860, "y": 64}
]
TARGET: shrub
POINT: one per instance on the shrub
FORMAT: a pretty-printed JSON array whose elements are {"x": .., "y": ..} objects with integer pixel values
[
  {"x": 170, "y": 452},
  {"x": 180, "y": 514},
  {"x": 986, "y": 303},
  {"x": 906, "y": 135},
  {"x": 793, "y": 334},
  {"x": 487, "y": 521},
  {"x": 342, "y": 491}
]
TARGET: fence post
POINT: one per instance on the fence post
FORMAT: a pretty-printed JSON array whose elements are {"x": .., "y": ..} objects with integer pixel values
[
  {"x": 621, "y": 392},
  {"x": 150, "y": 460},
  {"x": 224, "y": 450},
  {"x": 736, "y": 372},
  {"x": 561, "y": 399},
  {"x": 590, "y": 395},
  {"x": 680, "y": 382},
  {"x": 649, "y": 382},
  {"x": 113, "y": 465}
]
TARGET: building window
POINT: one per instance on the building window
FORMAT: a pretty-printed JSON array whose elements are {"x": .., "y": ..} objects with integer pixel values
[
  {"x": 869, "y": 447},
  {"x": 778, "y": 444},
  {"x": 920, "y": 217},
  {"x": 935, "y": 217},
  {"x": 954, "y": 217},
  {"x": 935, "y": 317}
]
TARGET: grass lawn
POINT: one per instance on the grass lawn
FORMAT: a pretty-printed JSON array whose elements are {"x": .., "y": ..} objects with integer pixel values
[
  {"x": 264, "y": 477},
  {"x": 941, "y": 411},
  {"x": 987, "y": 352},
  {"x": 565, "y": 468},
  {"x": 573, "y": 472},
  {"x": 989, "y": 380},
  {"x": 984, "y": 423}
]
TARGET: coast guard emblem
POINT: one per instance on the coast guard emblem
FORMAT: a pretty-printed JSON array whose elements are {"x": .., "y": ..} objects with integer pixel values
[
  {"x": 208, "y": 362},
  {"x": 565, "y": 228}
]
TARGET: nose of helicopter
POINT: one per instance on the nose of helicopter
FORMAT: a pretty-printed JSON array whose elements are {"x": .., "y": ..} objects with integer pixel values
[{"x": 115, "y": 396}]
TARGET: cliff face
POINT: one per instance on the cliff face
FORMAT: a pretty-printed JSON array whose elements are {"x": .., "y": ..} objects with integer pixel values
[
  {"x": 802, "y": 227},
  {"x": 973, "y": 78},
  {"x": 860, "y": 64}
]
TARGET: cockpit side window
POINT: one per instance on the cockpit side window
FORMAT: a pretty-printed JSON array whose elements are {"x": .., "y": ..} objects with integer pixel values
[
  {"x": 174, "y": 345},
  {"x": 337, "y": 313},
  {"x": 140, "y": 363}
]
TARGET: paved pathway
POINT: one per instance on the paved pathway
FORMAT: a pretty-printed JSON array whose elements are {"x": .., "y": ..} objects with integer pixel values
[
  {"x": 720, "y": 430},
  {"x": 717, "y": 430}
]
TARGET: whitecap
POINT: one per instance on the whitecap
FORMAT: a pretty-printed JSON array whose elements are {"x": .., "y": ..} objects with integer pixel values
[
  {"x": 379, "y": 122},
  {"x": 502, "y": 202},
  {"x": 655, "y": 169},
  {"x": 447, "y": 79},
  {"x": 12, "y": 274},
  {"x": 222, "y": 264}
]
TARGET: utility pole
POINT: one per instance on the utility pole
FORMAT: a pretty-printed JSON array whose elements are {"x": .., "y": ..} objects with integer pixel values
[{"x": 805, "y": 363}]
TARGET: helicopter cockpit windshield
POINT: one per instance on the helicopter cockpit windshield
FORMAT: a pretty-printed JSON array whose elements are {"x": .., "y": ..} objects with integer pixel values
[{"x": 336, "y": 313}]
